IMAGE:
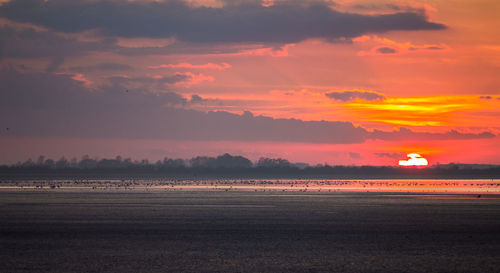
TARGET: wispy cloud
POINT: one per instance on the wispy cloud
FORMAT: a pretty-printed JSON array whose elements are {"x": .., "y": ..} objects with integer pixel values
[
  {"x": 346, "y": 96},
  {"x": 386, "y": 50},
  {"x": 159, "y": 83},
  {"x": 391, "y": 155},
  {"x": 222, "y": 66},
  {"x": 101, "y": 67},
  {"x": 387, "y": 46}
]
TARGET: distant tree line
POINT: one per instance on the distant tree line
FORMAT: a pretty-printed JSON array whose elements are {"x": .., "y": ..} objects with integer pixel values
[
  {"x": 86, "y": 162},
  {"x": 227, "y": 165}
]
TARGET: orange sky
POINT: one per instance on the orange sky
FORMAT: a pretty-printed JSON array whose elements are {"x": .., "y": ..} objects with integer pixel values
[{"x": 427, "y": 81}]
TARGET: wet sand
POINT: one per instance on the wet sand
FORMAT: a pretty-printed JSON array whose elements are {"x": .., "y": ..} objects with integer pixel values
[{"x": 247, "y": 231}]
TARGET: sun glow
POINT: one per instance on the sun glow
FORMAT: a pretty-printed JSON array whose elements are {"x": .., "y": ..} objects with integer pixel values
[{"x": 414, "y": 160}]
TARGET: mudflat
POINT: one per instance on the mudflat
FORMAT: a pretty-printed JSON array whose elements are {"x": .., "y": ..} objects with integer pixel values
[{"x": 246, "y": 231}]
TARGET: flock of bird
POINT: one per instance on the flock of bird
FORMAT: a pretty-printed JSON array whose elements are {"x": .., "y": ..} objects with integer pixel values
[{"x": 483, "y": 187}]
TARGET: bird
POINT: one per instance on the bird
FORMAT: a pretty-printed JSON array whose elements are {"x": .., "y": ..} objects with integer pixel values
[{"x": 7, "y": 128}]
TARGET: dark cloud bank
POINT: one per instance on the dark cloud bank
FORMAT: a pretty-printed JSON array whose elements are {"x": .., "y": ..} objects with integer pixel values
[
  {"x": 44, "y": 104},
  {"x": 237, "y": 21},
  {"x": 27, "y": 42}
]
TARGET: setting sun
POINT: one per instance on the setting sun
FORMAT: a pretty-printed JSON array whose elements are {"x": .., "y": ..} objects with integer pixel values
[{"x": 414, "y": 160}]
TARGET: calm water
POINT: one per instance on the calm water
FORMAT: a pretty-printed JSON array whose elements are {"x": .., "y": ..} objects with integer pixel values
[{"x": 139, "y": 228}]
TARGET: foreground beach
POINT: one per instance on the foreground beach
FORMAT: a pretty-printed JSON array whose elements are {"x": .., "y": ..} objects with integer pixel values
[{"x": 138, "y": 230}]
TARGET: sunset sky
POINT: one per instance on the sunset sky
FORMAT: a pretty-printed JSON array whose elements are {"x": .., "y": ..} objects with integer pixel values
[{"x": 338, "y": 82}]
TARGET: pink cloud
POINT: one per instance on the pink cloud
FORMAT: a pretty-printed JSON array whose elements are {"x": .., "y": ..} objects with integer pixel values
[
  {"x": 267, "y": 3},
  {"x": 193, "y": 79},
  {"x": 81, "y": 78}
]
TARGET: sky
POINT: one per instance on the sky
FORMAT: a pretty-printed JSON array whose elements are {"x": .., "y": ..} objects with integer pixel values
[{"x": 346, "y": 82}]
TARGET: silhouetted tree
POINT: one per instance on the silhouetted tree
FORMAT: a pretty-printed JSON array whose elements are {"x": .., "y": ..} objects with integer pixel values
[
  {"x": 87, "y": 163},
  {"x": 202, "y": 162},
  {"x": 62, "y": 163},
  {"x": 273, "y": 162},
  {"x": 229, "y": 161},
  {"x": 73, "y": 162},
  {"x": 28, "y": 163},
  {"x": 49, "y": 163},
  {"x": 172, "y": 163},
  {"x": 40, "y": 161}
]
